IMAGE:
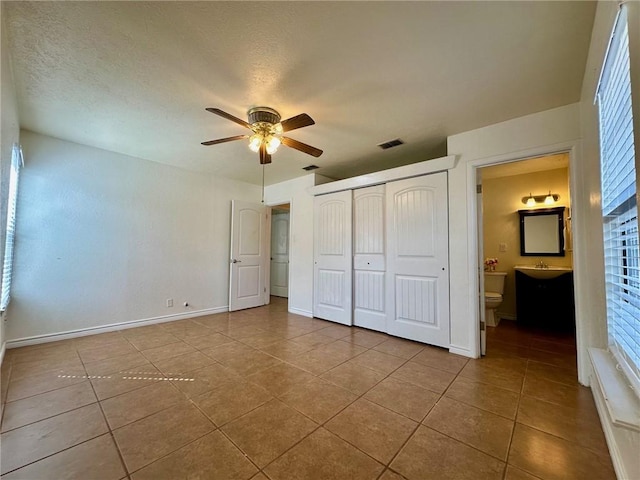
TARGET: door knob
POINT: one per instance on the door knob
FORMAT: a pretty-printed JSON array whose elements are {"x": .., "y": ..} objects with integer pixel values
[{"x": 236, "y": 261}]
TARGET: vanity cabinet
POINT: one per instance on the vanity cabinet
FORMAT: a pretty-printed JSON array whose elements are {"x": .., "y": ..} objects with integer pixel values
[{"x": 545, "y": 303}]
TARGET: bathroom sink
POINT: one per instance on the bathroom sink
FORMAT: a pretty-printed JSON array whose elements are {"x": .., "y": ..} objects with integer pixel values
[{"x": 542, "y": 273}]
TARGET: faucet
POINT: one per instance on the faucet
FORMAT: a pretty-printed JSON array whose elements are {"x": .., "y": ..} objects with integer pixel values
[{"x": 541, "y": 264}]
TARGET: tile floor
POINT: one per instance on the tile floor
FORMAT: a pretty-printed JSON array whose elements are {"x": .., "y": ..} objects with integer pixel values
[{"x": 264, "y": 394}]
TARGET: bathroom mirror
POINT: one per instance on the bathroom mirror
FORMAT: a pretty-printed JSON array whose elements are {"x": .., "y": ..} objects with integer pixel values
[{"x": 542, "y": 232}]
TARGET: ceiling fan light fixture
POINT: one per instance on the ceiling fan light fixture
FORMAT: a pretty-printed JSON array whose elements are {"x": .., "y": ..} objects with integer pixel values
[
  {"x": 272, "y": 143},
  {"x": 255, "y": 141}
]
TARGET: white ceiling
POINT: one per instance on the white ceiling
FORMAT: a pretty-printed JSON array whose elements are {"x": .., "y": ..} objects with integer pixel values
[{"x": 135, "y": 77}]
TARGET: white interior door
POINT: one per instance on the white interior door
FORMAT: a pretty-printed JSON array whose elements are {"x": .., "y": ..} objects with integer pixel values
[
  {"x": 332, "y": 269},
  {"x": 369, "y": 310},
  {"x": 280, "y": 254},
  {"x": 249, "y": 242},
  {"x": 418, "y": 259}
]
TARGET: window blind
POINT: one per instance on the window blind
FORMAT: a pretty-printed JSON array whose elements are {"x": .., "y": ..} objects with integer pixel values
[
  {"x": 619, "y": 203},
  {"x": 7, "y": 266}
]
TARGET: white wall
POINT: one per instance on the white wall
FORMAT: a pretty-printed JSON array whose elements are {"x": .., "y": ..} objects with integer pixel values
[
  {"x": 9, "y": 134},
  {"x": 301, "y": 238},
  {"x": 624, "y": 444},
  {"x": 103, "y": 238},
  {"x": 545, "y": 132}
]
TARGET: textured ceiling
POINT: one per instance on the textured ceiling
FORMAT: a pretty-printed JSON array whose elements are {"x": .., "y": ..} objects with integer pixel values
[{"x": 135, "y": 77}]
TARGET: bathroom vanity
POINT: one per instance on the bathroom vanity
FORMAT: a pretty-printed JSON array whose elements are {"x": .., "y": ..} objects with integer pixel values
[{"x": 544, "y": 297}]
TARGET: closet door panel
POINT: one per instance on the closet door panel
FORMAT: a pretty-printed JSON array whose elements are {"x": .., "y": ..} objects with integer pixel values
[
  {"x": 333, "y": 257},
  {"x": 418, "y": 259},
  {"x": 369, "y": 258}
]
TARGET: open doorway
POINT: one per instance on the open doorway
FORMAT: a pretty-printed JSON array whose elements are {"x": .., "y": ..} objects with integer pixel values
[
  {"x": 280, "y": 243},
  {"x": 520, "y": 307}
]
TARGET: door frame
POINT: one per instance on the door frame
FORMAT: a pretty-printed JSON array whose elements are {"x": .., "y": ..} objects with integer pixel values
[
  {"x": 577, "y": 191},
  {"x": 271, "y": 207}
]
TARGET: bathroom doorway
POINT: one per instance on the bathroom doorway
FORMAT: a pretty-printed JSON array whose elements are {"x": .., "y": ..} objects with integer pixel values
[
  {"x": 503, "y": 190},
  {"x": 280, "y": 250}
]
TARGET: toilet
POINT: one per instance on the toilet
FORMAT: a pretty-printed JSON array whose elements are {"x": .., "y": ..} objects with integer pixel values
[{"x": 493, "y": 290}]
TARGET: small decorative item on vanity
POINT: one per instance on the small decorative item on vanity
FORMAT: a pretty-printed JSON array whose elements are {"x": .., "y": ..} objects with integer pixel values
[{"x": 490, "y": 264}]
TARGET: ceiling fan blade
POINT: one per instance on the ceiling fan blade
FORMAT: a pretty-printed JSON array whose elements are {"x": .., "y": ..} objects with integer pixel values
[
  {"x": 228, "y": 116},
  {"x": 303, "y": 147},
  {"x": 223, "y": 140},
  {"x": 299, "y": 121},
  {"x": 264, "y": 156}
]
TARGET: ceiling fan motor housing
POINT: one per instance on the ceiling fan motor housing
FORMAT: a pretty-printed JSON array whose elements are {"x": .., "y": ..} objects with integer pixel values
[{"x": 263, "y": 115}]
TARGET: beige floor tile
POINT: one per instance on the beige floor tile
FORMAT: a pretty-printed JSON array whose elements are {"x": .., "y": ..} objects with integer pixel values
[
  {"x": 391, "y": 475},
  {"x": 251, "y": 362},
  {"x": 324, "y": 456},
  {"x": 231, "y": 401},
  {"x": 281, "y": 378},
  {"x": 116, "y": 364},
  {"x": 487, "y": 397},
  {"x": 38, "y": 367},
  {"x": 429, "y": 454},
  {"x": 551, "y": 372},
  {"x": 206, "y": 379},
  {"x": 210, "y": 457},
  {"x": 404, "y": 398},
  {"x": 514, "y": 473},
  {"x": 43, "y": 352},
  {"x": 46, "y": 437},
  {"x": 574, "y": 396},
  {"x": 366, "y": 338},
  {"x": 423, "y": 376},
  {"x": 152, "y": 340},
  {"x": 373, "y": 429},
  {"x": 440, "y": 358},
  {"x": 182, "y": 364},
  {"x": 316, "y": 361},
  {"x": 170, "y": 350},
  {"x": 268, "y": 431},
  {"x": 228, "y": 351},
  {"x": 557, "y": 359},
  {"x": 285, "y": 350},
  {"x": 96, "y": 459},
  {"x": 318, "y": 399},
  {"x": 153, "y": 437},
  {"x": 480, "y": 372},
  {"x": 45, "y": 405},
  {"x": 108, "y": 386},
  {"x": 336, "y": 331},
  {"x": 260, "y": 340},
  {"x": 207, "y": 341},
  {"x": 259, "y": 476},
  {"x": 353, "y": 377},
  {"x": 578, "y": 426},
  {"x": 552, "y": 458},
  {"x": 313, "y": 339},
  {"x": 137, "y": 404},
  {"x": 480, "y": 429},
  {"x": 45, "y": 382},
  {"x": 381, "y": 362},
  {"x": 102, "y": 352},
  {"x": 100, "y": 339},
  {"x": 400, "y": 348}
]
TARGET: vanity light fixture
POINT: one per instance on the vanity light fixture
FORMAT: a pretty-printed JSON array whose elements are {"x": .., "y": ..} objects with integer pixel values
[{"x": 533, "y": 200}]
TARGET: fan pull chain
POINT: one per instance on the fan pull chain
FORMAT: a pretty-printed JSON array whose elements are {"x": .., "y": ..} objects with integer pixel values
[{"x": 263, "y": 183}]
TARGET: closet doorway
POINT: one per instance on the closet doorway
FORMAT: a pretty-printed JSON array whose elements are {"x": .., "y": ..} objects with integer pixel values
[{"x": 279, "y": 258}]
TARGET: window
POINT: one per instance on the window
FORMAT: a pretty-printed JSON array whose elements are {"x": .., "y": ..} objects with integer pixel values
[
  {"x": 619, "y": 203},
  {"x": 7, "y": 268}
]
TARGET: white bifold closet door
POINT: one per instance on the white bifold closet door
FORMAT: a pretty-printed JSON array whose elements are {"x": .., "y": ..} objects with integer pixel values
[
  {"x": 369, "y": 303},
  {"x": 332, "y": 269},
  {"x": 417, "y": 280}
]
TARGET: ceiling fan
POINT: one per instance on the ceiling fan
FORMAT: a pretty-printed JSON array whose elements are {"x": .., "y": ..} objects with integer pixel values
[{"x": 267, "y": 130}]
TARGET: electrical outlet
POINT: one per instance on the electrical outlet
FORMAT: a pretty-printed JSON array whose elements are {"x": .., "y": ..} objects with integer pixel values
[
  {"x": 502, "y": 247},
  {"x": 169, "y": 302}
]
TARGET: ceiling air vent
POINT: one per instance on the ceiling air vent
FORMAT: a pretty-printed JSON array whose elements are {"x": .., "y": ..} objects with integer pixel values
[
  {"x": 310, "y": 167},
  {"x": 390, "y": 144}
]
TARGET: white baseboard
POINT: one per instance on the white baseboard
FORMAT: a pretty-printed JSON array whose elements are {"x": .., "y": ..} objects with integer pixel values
[
  {"x": 623, "y": 441},
  {"x": 298, "y": 311},
  {"x": 83, "y": 332}
]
